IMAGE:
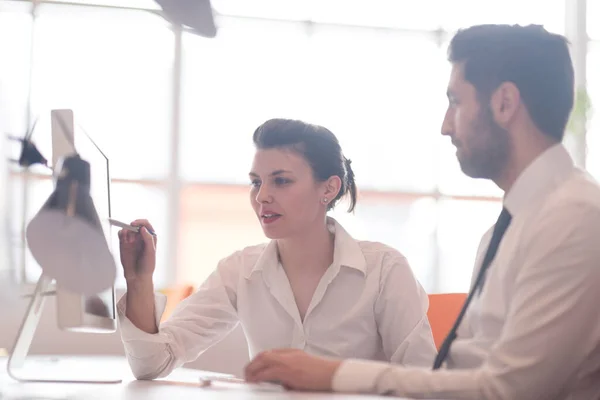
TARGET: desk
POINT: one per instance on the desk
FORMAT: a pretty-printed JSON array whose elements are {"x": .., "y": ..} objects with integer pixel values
[{"x": 180, "y": 384}]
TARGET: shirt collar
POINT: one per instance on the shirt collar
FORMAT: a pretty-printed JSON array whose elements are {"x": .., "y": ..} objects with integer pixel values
[
  {"x": 346, "y": 252},
  {"x": 540, "y": 177}
]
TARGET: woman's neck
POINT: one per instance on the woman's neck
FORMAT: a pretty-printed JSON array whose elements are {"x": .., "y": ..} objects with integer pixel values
[{"x": 310, "y": 252}]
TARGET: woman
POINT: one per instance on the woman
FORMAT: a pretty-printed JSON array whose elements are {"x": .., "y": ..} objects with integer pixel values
[{"x": 312, "y": 287}]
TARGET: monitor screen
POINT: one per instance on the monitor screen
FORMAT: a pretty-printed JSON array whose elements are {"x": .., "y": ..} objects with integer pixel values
[
  {"x": 101, "y": 304},
  {"x": 79, "y": 312}
]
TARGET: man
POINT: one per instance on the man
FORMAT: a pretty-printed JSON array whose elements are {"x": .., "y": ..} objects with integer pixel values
[{"x": 532, "y": 327}]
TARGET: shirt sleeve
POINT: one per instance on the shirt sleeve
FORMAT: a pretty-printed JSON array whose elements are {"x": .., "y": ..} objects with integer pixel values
[
  {"x": 197, "y": 323},
  {"x": 550, "y": 331},
  {"x": 401, "y": 314}
]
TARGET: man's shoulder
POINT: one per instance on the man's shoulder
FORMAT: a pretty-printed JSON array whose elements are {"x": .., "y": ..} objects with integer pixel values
[
  {"x": 575, "y": 202},
  {"x": 580, "y": 190}
]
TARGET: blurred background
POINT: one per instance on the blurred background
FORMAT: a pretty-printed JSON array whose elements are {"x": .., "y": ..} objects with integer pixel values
[{"x": 175, "y": 114}]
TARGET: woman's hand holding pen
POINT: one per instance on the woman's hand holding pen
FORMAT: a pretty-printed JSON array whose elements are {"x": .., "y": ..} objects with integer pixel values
[
  {"x": 138, "y": 252},
  {"x": 138, "y": 256}
]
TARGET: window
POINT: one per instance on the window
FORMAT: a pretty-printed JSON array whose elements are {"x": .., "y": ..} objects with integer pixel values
[
  {"x": 312, "y": 77},
  {"x": 368, "y": 88},
  {"x": 271, "y": 9},
  {"x": 15, "y": 23},
  {"x": 593, "y": 16},
  {"x": 141, "y": 4},
  {"x": 422, "y": 15},
  {"x": 374, "y": 72},
  {"x": 593, "y": 87},
  {"x": 461, "y": 225},
  {"x": 406, "y": 223},
  {"x": 131, "y": 201},
  {"x": 113, "y": 68},
  {"x": 419, "y": 15},
  {"x": 462, "y": 13},
  {"x": 232, "y": 84},
  {"x": 216, "y": 221}
]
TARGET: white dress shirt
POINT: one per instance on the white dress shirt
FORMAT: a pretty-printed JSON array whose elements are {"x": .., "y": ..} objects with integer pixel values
[
  {"x": 534, "y": 331},
  {"x": 367, "y": 305}
]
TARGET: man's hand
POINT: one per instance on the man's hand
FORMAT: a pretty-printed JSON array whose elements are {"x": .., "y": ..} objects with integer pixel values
[{"x": 293, "y": 368}]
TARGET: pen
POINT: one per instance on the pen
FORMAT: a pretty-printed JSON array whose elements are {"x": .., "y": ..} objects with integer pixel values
[{"x": 128, "y": 227}]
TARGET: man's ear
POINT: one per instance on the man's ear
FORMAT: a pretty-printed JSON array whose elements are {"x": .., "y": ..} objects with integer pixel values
[{"x": 504, "y": 103}]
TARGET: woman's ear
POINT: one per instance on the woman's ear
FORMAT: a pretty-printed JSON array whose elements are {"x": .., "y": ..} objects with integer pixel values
[{"x": 332, "y": 187}]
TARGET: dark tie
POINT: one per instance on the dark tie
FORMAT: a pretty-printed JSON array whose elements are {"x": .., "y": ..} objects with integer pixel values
[{"x": 499, "y": 229}]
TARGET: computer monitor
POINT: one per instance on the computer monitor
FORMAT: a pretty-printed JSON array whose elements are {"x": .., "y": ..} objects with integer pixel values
[{"x": 76, "y": 312}]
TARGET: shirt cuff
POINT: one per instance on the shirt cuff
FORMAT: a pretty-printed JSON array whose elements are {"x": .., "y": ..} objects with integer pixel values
[
  {"x": 130, "y": 332},
  {"x": 358, "y": 376}
]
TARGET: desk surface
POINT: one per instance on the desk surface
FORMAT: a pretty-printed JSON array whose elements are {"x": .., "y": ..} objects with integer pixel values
[{"x": 182, "y": 383}]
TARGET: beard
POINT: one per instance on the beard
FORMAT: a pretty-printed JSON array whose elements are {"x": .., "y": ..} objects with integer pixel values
[{"x": 488, "y": 148}]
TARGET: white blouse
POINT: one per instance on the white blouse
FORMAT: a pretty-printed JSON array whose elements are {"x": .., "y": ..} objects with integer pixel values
[{"x": 367, "y": 305}]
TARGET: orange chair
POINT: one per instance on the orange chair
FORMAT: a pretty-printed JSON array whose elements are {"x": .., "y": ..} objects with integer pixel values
[
  {"x": 443, "y": 310},
  {"x": 175, "y": 295}
]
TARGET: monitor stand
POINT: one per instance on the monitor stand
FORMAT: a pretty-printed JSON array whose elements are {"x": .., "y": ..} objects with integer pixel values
[{"x": 18, "y": 356}]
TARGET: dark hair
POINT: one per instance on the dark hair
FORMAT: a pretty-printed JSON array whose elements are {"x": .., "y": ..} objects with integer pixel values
[
  {"x": 536, "y": 61},
  {"x": 318, "y": 145}
]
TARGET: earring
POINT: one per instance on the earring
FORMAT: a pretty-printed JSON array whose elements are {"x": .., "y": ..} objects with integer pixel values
[{"x": 325, "y": 200}]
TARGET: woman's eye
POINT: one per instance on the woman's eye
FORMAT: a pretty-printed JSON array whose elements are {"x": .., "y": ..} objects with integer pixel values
[
  {"x": 255, "y": 183},
  {"x": 281, "y": 181}
]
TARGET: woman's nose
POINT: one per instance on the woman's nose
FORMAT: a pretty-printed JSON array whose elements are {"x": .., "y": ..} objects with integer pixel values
[{"x": 264, "y": 195}]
